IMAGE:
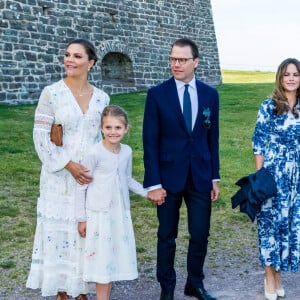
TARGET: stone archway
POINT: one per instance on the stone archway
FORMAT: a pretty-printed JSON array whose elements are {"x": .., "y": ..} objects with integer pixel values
[
  {"x": 117, "y": 70},
  {"x": 117, "y": 67}
]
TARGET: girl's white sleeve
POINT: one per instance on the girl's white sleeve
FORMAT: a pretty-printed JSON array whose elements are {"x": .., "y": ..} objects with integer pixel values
[
  {"x": 80, "y": 200},
  {"x": 134, "y": 185}
]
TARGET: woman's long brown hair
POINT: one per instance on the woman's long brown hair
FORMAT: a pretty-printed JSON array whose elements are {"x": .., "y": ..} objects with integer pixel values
[{"x": 279, "y": 97}]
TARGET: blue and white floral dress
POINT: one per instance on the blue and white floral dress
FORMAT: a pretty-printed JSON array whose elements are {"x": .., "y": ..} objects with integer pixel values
[{"x": 277, "y": 139}]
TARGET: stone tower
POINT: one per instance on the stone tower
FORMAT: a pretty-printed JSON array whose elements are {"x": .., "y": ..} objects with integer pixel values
[{"x": 132, "y": 38}]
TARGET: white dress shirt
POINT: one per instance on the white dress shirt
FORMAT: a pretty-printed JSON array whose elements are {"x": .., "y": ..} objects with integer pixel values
[{"x": 193, "y": 95}]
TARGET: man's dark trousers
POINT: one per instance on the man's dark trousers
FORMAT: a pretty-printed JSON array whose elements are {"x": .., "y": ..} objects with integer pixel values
[{"x": 199, "y": 212}]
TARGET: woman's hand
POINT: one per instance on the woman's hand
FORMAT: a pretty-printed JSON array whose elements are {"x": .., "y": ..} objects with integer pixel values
[
  {"x": 259, "y": 161},
  {"x": 79, "y": 172}
]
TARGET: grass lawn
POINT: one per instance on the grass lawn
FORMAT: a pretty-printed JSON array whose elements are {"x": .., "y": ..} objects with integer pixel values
[{"x": 231, "y": 231}]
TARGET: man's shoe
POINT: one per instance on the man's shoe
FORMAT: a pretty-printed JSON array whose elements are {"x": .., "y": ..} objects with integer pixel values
[
  {"x": 199, "y": 293},
  {"x": 165, "y": 295}
]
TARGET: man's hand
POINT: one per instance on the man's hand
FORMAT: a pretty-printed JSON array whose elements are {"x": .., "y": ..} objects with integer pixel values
[
  {"x": 157, "y": 196},
  {"x": 215, "y": 193}
]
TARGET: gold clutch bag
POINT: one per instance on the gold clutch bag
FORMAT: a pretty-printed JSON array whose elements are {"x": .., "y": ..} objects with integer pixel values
[{"x": 56, "y": 134}]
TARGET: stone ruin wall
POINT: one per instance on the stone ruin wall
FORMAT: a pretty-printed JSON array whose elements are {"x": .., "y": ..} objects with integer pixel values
[{"x": 132, "y": 38}]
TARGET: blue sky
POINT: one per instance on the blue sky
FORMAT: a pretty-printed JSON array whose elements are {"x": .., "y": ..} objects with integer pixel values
[{"x": 256, "y": 34}]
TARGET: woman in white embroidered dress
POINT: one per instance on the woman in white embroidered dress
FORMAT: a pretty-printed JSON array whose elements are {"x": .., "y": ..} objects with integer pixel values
[
  {"x": 103, "y": 207},
  {"x": 56, "y": 266}
]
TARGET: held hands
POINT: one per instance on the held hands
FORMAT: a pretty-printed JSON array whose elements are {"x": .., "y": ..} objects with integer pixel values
[
  {"x": 82, "y": 229},
  {"x": 157, "y": 196},
  {"x": 79, "y": 172}
]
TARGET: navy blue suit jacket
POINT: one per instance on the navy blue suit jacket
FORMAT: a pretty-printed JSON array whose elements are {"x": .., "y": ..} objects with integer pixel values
[{"x": 169, "y": 150}]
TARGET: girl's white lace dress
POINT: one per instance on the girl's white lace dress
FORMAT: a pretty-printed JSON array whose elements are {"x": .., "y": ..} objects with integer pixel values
[{"x": 57, "y": 249}]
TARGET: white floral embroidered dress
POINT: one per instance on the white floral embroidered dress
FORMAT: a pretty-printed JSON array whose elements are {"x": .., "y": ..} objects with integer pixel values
[{"x": 57, "y": 250}]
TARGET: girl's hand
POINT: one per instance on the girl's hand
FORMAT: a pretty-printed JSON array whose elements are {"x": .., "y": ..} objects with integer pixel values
[
  {"x": 79, "y": 172},
  {"x": 82, "y": 229}
]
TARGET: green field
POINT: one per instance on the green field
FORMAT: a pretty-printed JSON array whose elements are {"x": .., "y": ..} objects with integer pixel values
[{"x": 240, "y": 96}]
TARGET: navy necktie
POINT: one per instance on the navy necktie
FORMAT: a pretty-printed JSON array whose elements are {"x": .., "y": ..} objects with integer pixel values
[{"x": 187, "y": 108}]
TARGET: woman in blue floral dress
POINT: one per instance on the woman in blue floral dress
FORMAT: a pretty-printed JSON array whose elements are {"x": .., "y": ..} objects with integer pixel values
[{"x": 276, "y": 146}]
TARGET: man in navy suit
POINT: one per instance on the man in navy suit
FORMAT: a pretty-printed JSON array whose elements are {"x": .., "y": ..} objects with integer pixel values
[{"x": 181, "y": 159}]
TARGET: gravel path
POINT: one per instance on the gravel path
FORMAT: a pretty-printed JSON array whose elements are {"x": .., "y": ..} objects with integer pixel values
[
  {"x": 232, "y": 272},
  {"x": 228, "y": 280}
]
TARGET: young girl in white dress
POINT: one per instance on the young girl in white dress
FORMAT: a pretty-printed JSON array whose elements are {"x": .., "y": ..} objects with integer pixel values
[{"x": 103, "y": 207}]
